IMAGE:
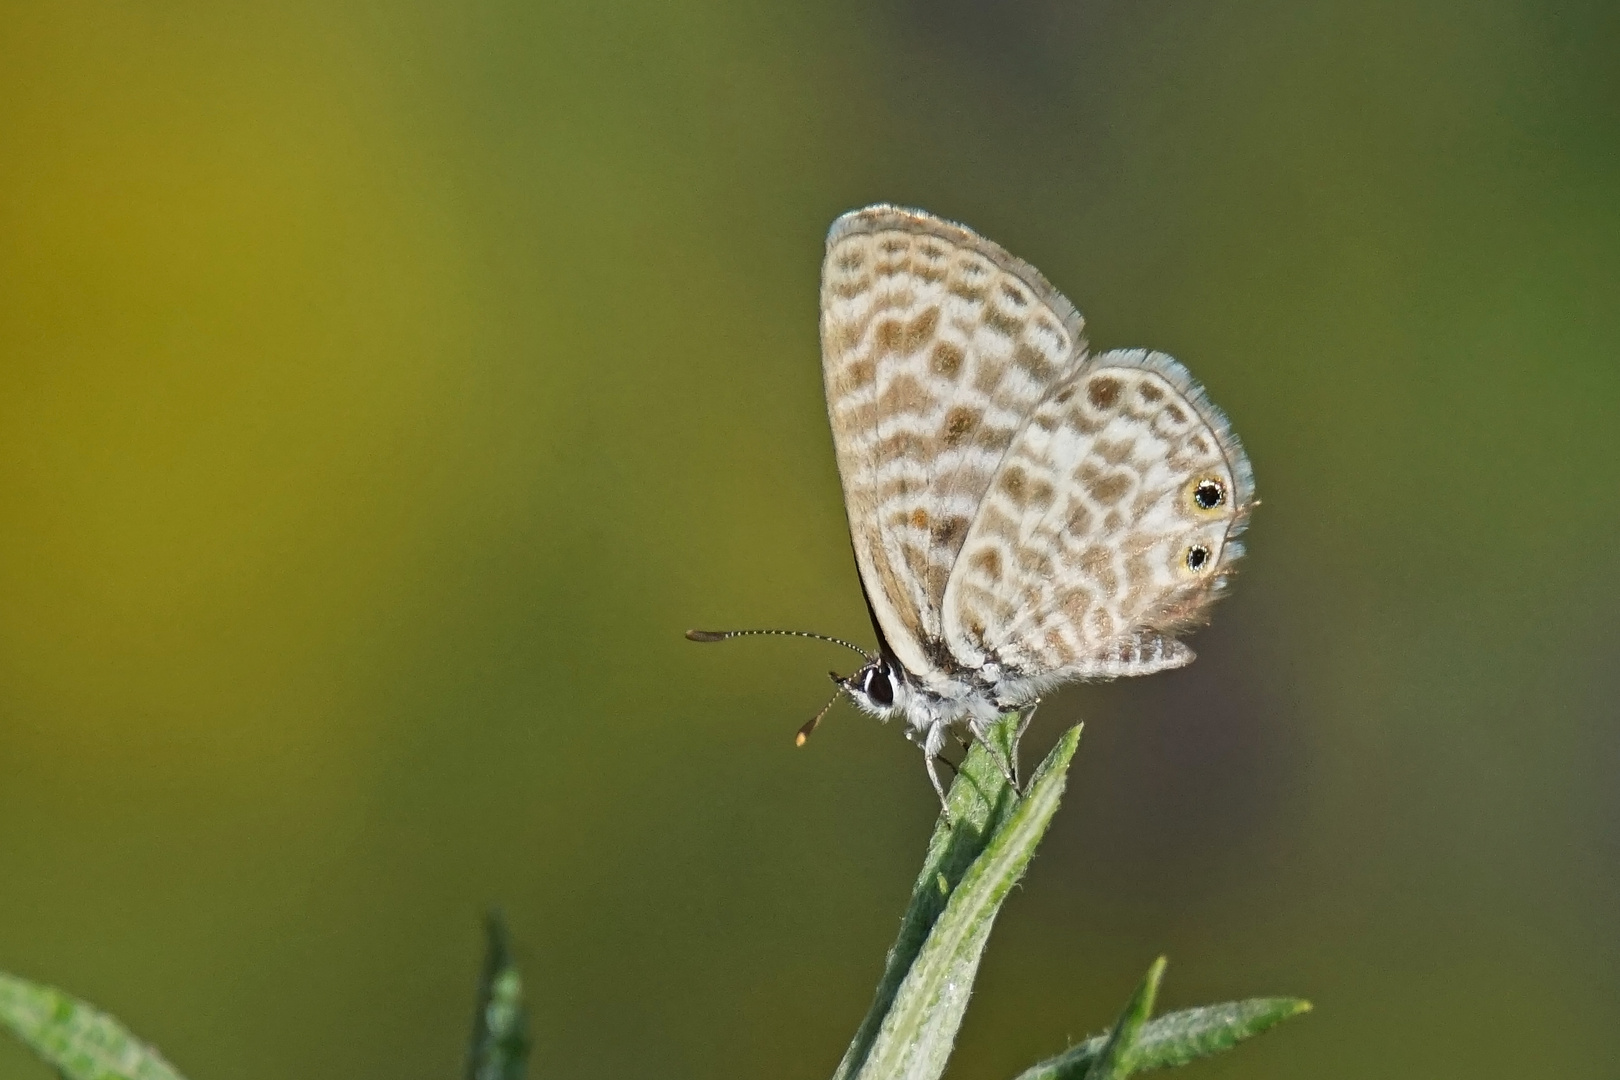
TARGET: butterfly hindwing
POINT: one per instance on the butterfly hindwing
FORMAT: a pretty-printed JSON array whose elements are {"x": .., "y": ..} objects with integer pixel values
[
  {"x": 936, "y": 347},
  {"x": 1109, "y": 526}
]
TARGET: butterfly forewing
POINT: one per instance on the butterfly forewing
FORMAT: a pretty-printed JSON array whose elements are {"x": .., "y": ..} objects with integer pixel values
[
  {"x": 936, "y": 347},
  {"x": 1109, "y": 525}
]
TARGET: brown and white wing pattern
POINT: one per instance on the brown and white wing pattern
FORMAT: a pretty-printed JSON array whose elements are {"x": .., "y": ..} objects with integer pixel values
[
  {"x": 1109, "y": 526},
  {"x": 936, "y": 346}
]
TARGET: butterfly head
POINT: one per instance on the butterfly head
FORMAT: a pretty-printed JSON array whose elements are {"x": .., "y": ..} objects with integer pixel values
[{"x": 879, "y": 687}]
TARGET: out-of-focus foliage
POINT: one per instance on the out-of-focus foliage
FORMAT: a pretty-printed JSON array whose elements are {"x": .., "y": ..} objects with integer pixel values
[
  {"x": 499, "y": 1049},
  {"x": 79, "y": 1041}
]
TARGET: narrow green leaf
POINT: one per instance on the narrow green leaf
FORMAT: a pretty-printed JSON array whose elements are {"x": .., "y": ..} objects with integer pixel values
[
  {"x": 979, "y": 799},
  {"x": 78, "y": 1040},
  {"x": 982, "y": 852},
  {"x": 1118, "y": 1056},
  {"x": 500, "y": 1041},
  {"x": 1179, "y": 1037},
  {"x": 1191, "y": 1034}
]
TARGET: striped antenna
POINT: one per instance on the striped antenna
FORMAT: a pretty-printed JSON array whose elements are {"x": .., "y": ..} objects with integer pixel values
[
  {"x": 804, "y": 733},
  {"x": 722, "y": 635}
]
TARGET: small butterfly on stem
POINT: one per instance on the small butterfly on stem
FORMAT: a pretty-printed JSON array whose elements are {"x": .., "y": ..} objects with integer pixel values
[{"x": 1023, "y": 513}]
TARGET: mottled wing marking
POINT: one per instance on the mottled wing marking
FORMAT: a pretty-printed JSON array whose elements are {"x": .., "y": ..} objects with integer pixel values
[
  {"x": 1079, "y": 564},
  {"x": 936, "y": 345}
]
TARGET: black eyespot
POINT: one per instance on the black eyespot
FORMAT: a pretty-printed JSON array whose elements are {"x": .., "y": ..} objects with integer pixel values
[
  {"x": 878, "y": 687},
  {"x": 1209, "y": 494},
  {"x": 1197, "y": 556}
]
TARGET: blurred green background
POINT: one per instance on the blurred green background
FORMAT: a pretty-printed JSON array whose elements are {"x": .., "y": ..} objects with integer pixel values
[{"x": 385, "y": 387}]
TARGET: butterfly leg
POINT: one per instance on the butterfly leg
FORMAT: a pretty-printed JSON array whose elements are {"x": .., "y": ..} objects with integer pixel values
[
  {"x": 1026, "y": 714},
  {"x": 1008, "y": 772},
  {"x": 933, "y": 743}
]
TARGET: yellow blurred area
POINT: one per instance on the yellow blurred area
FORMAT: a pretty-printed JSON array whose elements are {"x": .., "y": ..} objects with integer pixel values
[{"x": 233, "y": 303}]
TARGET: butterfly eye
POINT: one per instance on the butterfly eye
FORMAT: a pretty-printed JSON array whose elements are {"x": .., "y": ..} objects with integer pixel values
[
  {"x": 1209, "y": 494},
  {"x": 1197, "y": 557},
  {"x": 878, "y": 688}
]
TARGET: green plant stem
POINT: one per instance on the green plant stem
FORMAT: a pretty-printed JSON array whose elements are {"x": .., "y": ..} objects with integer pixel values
[{"x": 978, "y": 851}]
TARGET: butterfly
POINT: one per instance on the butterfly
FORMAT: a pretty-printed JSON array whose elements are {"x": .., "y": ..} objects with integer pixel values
[{"x": 1023, "y": 513}]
